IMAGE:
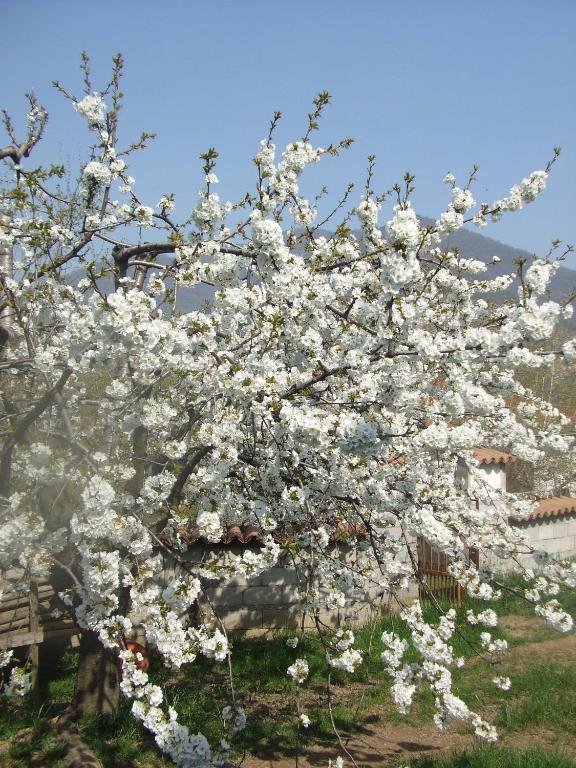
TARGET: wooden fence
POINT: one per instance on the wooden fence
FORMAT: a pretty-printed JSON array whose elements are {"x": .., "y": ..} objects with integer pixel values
[{"x": 433, "y": 569}]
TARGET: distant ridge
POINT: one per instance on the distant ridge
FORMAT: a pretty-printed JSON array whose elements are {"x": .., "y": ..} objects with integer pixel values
[{"x": 472, "y": 245}]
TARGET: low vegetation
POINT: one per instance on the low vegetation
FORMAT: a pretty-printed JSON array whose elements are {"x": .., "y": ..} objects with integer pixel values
[{"x": 536, "y": 718}]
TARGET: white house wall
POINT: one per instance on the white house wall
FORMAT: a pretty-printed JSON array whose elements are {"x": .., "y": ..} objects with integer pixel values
[{"x": 555, "y": 535}]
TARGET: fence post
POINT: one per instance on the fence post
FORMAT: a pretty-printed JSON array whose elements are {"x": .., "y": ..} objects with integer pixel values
[{"x": 34, "y": 653}]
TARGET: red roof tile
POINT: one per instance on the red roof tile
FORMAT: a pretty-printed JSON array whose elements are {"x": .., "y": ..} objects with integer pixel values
[
  {"x": 247, "y": 533},
  {"x": 233, "y": 534},
  {"x": 493, "y": 456},
  {"x": 554, "y": 507}
]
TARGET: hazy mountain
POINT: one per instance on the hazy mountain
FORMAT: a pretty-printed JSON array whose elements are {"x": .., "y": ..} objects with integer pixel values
[{"x": 471, "y": 245}]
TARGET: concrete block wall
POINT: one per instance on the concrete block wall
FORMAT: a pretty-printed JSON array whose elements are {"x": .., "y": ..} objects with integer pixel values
[
  {"x": 555, "y": 535},
  {"x": 271, "y": 601}
]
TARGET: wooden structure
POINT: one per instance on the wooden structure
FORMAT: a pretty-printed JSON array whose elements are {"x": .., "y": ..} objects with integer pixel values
[
  {"x": 27, "y": 619},
  {"x": 433, "y": 570}
]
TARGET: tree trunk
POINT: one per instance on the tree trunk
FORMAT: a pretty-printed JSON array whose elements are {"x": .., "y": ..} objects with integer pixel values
[
  {"x": 34, "y": 652},
  {"x": 7, "y": 270},
  {"x": 78, "y": 754},
  {"x": 97, "y": 682}
]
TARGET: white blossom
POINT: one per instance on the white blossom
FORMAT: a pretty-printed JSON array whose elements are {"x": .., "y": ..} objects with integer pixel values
[
  {"x": 92, "y": 107},
  {"x": 329, "y": 389},
  {"x": 298, "y": 671}
]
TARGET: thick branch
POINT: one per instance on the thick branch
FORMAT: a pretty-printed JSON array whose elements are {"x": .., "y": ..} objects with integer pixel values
[
  {"x": 17, "y": 153},
  {"x": 191, "y": 463},
  {"x": 123, "y": 254},
  {"x": 22, "y": 427},
  {"x": 6, "y": 270}
]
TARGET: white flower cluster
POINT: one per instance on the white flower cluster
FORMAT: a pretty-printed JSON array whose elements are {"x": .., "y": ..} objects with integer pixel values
[
  {"x": 453, "y": 218},
  {"x": 92, "y": 107},
  {"x": 367, "y": 213},
  {"x": 166, "y": 204},
  {"x": 180, "y": 594},
  {"x": 143, "y": 215},
  {"x": 298, "y": 671},
  {"x": 19, "y": 683},
  {"x": 554, "y": 614},
  {"x": 492, "y": 646},
  {"x": 210, "y": 526},
  {"x": 348, "y": 661},
  {"x": 521, "y": 194},
  {"x": 403, "y": 229},
  {"x": 356, "y": 435},
  {"x": 98, "y": 172},
  {"x": 538, "y": 276},
  {"x": 265, "y": 157},
  {"x": 462, "y": 200},
  {"x": 294, "y": 159},
  {"x": 488, "y": 618},
  {"x": 208, "y": 211},
  {"x": 268, "y": 241}
]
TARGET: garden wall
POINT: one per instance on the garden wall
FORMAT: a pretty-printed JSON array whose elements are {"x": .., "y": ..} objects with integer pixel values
[
  {"x": 556, "y": 535},
  {"x": 271, "y": 601}
]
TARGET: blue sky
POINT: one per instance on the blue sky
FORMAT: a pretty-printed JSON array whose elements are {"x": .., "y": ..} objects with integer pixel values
[{"x": 426, "y": 85}]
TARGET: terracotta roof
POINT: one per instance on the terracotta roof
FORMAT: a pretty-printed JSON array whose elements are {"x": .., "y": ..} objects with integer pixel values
[
  {"x": 247, "y": 533},
  {"x": 233, "y": 534},
  {"x": 553, "y": 507},
  {"x": 493, "y": 456}
]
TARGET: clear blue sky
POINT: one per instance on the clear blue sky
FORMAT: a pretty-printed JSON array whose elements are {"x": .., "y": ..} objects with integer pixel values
[{"x": 426, "y": 85}]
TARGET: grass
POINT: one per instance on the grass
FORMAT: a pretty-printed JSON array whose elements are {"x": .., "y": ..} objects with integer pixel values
[
  {"x": 118, "y": 741},
  {"x": 545, "y": 693},
  {"x": 511, "y": 603},
  {"x": 497, "y": 757},
  {"x": 543, "y": 697}
]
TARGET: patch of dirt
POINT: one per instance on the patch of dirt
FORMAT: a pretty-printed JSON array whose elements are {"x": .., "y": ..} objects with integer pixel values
[
  {"x": 372, "y": 746},
  {"x": 521, "y": 626},
  {"x": 542, "y": 739},
  {"x": 557, "y": 648},
  {"x": 377, "y": 742}
]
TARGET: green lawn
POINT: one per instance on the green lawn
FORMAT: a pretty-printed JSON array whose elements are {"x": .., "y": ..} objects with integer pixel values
[
  {"x": 497, "y": 757},
  {"x": 543, "y": 697}
]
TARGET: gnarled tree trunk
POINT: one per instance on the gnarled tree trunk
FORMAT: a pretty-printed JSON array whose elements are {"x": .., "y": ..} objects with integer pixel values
[
  {"x": 97, "y": 682},
  {"x": 78, "y": 754}
]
